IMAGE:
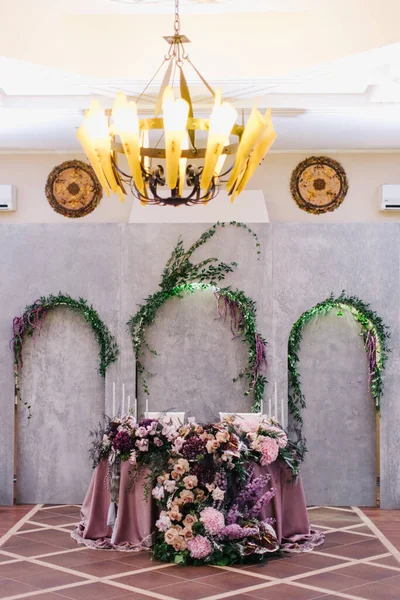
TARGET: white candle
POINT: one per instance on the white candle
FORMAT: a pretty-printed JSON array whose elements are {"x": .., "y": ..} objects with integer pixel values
[
  {"x": 123, "y": 400},
  {"x": 113, "y": 410},
  {"x": 136, "y": 408},
  {"x": 270, "y": 408},
  {"x": 276, "y": 402},
  {"x": 129, "y": 404},
  {"x": 282, "y": 413},
  {"x": 262, "y": 406},
  {"x": 147, "y": 408}
]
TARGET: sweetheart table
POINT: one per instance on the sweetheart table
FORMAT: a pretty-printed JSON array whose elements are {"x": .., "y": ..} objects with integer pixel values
[{"x": 134, "y": 526}]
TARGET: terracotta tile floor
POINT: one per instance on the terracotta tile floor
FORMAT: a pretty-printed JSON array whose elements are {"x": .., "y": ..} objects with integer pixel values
[{"x": 360, "y": 560}]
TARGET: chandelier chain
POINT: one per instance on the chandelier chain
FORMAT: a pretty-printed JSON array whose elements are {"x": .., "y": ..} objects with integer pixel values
[{"x": 177, "y": 21}]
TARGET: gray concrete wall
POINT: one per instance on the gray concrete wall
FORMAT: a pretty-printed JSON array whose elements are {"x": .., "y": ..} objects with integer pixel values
[{"x": 116, "y": 266}]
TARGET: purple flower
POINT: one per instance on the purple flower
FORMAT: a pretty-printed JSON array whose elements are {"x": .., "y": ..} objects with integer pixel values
[
  {"x": 122, "y": 442},
  {"x": 236, "y": 532},
  {"x": 193, "y": 447},
  {"x": 147, "y": 422}
]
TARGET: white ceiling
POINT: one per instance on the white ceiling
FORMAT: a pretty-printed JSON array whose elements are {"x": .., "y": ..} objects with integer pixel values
[{"x": 330, "y": 71}]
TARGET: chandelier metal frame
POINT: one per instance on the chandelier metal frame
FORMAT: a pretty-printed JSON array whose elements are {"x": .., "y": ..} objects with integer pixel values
[{"x": 188, "y": 183}]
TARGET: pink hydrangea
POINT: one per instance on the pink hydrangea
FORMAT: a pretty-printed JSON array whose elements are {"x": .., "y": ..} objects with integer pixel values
[
  {"x": 269, "y": 451},
  {"x": 213, "y": 520},
  {"x": 199, "y": 547}
]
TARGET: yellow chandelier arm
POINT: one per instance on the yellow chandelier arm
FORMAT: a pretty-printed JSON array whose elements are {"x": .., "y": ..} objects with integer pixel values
[
  {"x": 259, "y": 152},
  {"x": 175, "y": 118},
  {"x": 97, "y": 128},
  {"x": 254, "y": 129},
  {"x": 90, "y": 152},
  {"x": 182, "y": 166},
  {"x": 222, "y": 119},
  {"x": 126, "y": 125}
]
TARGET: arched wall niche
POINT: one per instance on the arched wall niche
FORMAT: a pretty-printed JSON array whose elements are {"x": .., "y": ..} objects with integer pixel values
[
  {"x": 60, "y": 380},
  {"x": 340, "y": 416}
]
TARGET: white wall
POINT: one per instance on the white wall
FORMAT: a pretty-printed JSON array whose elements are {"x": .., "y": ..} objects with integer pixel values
[{"x": 366, "y": 172}]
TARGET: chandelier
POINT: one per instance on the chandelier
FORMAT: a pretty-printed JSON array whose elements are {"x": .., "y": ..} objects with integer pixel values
[{"x": 185, "y": 163}]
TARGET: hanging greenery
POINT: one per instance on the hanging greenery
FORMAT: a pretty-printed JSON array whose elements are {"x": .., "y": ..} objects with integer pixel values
[
  {"x": 375, "y": 335},
  {"x": 31, "y": 321},
  {"x": 181, "y": 276}
]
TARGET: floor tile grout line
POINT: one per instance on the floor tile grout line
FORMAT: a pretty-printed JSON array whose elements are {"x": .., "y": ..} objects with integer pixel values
[
  {"x": 382, "y": 538},
  {"x": 367, "y": 535},
  {"x": 57, "y": 506},
  {"x": 58, "y": 588},
  {"x": 130, "y": 588},
  {"x": 350, "y": 510},
  {"x": 341, "y": 594},
  {"x": 38, "y": 556},
  {"x": 19, "y": 524}
]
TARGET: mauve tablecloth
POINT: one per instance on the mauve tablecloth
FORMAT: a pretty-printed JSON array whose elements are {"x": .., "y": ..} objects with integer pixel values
[{"x": 136, "y": 515}]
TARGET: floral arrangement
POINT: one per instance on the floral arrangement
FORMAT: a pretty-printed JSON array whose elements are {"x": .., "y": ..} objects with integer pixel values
[{"x": 203, "y": 478}]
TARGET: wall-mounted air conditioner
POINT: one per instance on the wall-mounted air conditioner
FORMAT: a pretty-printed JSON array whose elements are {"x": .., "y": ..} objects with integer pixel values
[
  {"x": 390, "y": 197},
  {"x": 8, "y": 198}
]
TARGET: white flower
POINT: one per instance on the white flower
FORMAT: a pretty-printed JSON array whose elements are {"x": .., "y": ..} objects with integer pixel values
[
  {"x": 106, "y": 440},
  {"x": 164, "y": 522},
  {"x": 158, "y": 492},
  {"x": 218, "y": 494},
  {"x": 170, "y": 486},
  {"x": 133, "y": 457}
]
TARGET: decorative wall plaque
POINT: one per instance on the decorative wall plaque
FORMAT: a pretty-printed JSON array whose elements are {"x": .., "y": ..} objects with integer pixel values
[
  {"x": 73, "y": 189},
  {"x": 319, "y": 184}
]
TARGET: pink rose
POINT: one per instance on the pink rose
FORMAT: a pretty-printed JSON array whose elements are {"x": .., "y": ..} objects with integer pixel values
[
  {"x": 141, "y": 432},
  {"x": 190, "y": 481}
]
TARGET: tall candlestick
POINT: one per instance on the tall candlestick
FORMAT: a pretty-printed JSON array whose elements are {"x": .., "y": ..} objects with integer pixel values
[
  {"x": 136, "y": 408},
  {"x": 113, "y": 410},
  {"x": 276, "y": 401},
  {"x": 129, "y": 405},
  {"x": 123, "y": 400},
  {"x": 262, "y": 406},
  {"x": 147, "y": 408},
  {"x": 282, "y": 413},
  {"x": 270, "y": 408}
]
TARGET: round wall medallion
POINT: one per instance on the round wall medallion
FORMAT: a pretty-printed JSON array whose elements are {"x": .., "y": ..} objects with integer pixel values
[
  {"x": 319, "y": 184},
  {"x": 73, "y": 190}
]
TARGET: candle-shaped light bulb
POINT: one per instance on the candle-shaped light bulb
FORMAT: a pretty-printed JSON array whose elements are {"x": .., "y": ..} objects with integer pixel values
[
  {"x": 98, "y": 132},
  {"x": 222, "y": 119},
  {"x": 175, "y": 113},
  {"x": 96, "y": 124},
  {"x": 126, "y": 125}
]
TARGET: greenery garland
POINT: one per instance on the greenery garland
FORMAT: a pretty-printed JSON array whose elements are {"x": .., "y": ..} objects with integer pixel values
[
  {"x": 30, "y": 322},
  {"x": 375, "y": 335},
  {"x": 180, "y": 275}
]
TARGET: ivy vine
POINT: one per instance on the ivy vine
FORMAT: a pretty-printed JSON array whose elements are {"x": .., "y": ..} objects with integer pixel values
[
  {"x": 375, "y": 336},
  {"x": 181, "y": 276},
  {"x": 31, "y": 321}
]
